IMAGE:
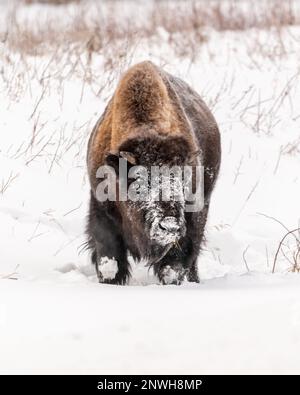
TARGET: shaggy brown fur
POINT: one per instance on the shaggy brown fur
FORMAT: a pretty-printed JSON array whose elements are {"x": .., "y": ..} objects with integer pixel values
[
  {"x": 157, "y": 119},
  {"x": 141, "y": 103}
]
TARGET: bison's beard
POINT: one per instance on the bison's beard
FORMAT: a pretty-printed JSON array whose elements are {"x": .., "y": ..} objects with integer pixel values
[{"x": 156, "y": 253}]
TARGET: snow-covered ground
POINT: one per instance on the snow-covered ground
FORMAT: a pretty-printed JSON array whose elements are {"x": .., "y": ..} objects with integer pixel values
[{"x": 54, "y": 316}]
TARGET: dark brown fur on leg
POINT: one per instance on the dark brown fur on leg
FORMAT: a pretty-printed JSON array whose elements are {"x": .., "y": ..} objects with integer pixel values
[{"x": 106, "y": 242}]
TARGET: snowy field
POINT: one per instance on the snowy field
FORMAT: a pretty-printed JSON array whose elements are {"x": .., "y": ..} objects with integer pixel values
[{"x": 54, "y": 316}]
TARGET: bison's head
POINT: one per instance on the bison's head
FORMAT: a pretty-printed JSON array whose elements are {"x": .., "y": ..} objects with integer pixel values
[{"x": 153, "y": 216}]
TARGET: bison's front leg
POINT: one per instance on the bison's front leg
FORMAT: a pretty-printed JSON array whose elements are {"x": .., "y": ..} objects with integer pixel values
[
  {"x": 171, "y": 274},
  {"x": 178, "y": 264},
  {"x": 107, "y": 245}
]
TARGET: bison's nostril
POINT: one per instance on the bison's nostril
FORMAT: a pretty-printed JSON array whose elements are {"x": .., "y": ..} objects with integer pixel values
[
  {"x": 161, "y": 226},
  {"x": 169, "y": 224}
]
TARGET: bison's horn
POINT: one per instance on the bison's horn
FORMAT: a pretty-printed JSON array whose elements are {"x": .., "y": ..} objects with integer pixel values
[
  {"x": 129, "y": 157},
  {"x": 194, "y": 155}
]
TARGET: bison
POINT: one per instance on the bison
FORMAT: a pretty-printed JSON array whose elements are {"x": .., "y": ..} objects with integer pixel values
[{"x": 153, "y": 119}]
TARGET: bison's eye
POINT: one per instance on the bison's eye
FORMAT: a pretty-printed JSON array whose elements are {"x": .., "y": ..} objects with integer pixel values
[{"x": 115, "y": 160}]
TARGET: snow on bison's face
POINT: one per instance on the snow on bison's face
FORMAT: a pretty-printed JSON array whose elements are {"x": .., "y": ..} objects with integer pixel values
[{"x": 153, "y": 214}]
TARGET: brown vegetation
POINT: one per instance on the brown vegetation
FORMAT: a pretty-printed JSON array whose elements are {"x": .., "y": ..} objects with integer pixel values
[{"x": 187, "y": 23}]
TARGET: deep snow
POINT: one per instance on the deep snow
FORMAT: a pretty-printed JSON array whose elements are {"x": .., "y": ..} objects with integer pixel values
[
  {"x": 54, "y": 317},
  {"x": 248, "y": 324}
]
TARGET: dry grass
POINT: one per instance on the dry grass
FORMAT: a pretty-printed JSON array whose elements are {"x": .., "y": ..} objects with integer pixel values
[
  {"x": 187, "y": 23},
  {"x": 10, "y": 276},
  {"x": 7, "y": 183},
  {"x": 103, "y": 28},
  {"x": 52, "y": 2},
  {"x": 71, "y": 46},
  {"x": 289, "y": 248}
]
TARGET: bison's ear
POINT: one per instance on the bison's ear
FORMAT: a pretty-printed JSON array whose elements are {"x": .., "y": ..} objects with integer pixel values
[{"x": 129, "y": 157}]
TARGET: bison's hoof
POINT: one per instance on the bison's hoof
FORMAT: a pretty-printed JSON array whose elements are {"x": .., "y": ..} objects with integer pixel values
[
  {"x": 107, "y": 269},
  {"x": 171, "y": 276}
]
